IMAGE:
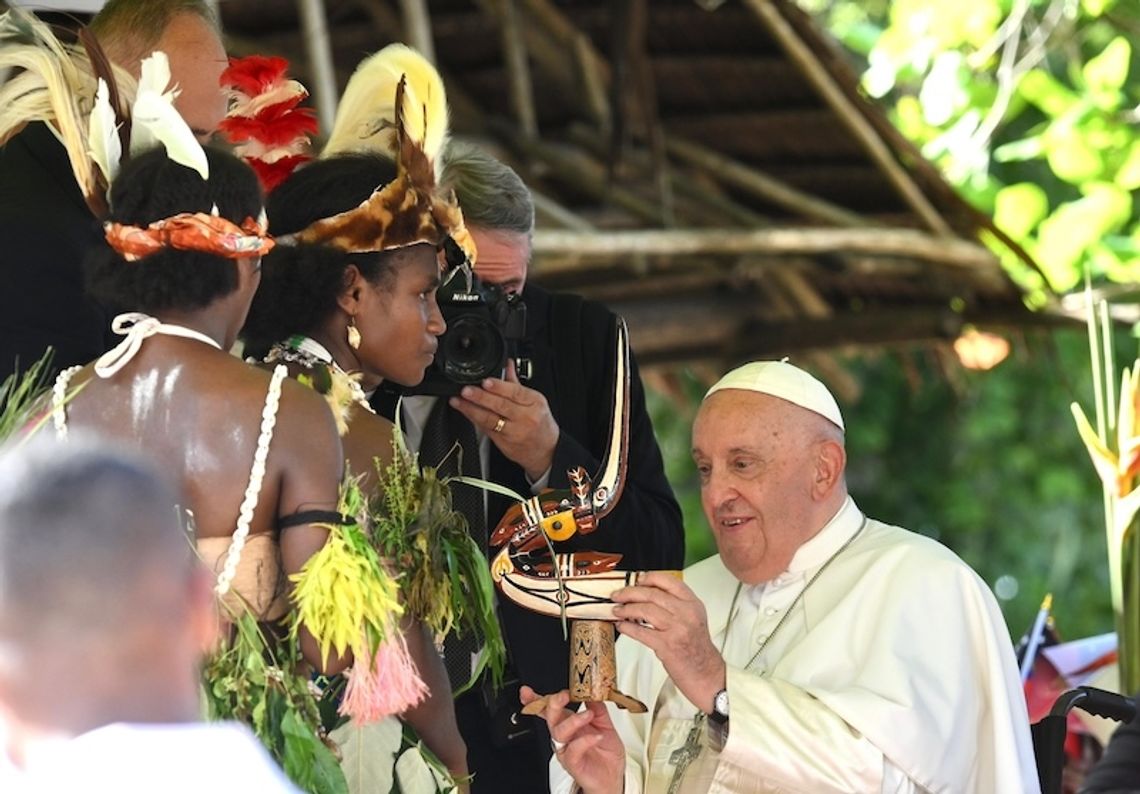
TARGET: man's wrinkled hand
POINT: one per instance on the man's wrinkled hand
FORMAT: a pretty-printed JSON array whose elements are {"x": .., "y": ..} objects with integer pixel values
[
  {"x": 516, "y": 418},
  {"x": 585, "y": 742},
  {"x": 662, "y": 613}
]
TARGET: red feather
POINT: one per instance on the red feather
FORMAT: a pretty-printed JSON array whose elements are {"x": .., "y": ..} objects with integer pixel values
[
  {"x": 254, "y": 74},
  {"x": 273, "y": 174},
  {"x": 272, "y": 131},
  {"x": 282, "y": 125}
]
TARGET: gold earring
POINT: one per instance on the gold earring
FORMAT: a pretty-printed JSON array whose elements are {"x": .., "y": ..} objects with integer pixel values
[{"x": 353, "y": 334}]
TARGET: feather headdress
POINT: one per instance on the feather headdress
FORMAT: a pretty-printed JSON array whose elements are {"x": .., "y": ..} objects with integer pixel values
[
  {"x": 264, "y": 120},
  {"x": 410, "y": 209},
  {"x": 365, "y": 115},
  {"x": 81, "y": 95},
  {"x": 56, "y": 83}
]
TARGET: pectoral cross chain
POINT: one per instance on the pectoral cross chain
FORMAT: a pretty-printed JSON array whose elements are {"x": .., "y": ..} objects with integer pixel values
[{"x": 683, "y": 756}]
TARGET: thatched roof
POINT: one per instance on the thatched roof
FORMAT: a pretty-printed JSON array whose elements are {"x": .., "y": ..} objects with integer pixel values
[{"x": 709, "y": 169}]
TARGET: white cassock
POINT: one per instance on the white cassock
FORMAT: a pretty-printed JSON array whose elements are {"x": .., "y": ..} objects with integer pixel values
[{"x": 893, "y": 673}]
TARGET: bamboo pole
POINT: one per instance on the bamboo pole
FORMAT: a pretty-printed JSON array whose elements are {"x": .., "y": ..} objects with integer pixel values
[
  {"x": 762, "y": 185},
  {"x": 417, "y": 27},
  {"x": 645, "y": 95},
  {"x": 864, "y": 133},
  {"x": 465, "y": 112},
  {"x": 772, "y": 242},
  {"x": 587, "y": 176},
  {"x": 316, "y": 34}
]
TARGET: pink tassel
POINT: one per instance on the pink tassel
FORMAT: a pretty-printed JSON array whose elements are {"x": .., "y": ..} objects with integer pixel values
[{"x": 382, "y": 686}]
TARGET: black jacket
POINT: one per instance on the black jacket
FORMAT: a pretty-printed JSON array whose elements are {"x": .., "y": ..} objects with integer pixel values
[{"x": 46, "y": 231}]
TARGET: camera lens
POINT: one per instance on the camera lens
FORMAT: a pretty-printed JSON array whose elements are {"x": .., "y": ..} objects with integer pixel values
[{"x": 471, "y": 349}]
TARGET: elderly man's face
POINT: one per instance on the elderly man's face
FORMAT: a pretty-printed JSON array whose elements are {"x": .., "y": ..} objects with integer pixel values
[
  {"x": 197, "y": 60},
  {"x": 503, "y": 257},
  {"x": 757, "y": 466}
]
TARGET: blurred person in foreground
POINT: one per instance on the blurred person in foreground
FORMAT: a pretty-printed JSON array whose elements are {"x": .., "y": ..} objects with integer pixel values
[
  {"x": 105, "y": 614},
  {"x": 819, "y": 651}
]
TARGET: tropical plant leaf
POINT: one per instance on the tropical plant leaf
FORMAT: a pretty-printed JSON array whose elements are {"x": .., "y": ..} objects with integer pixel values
[
  {"x": 368, "y": 753},
  {"x": 22, "y": 395}
]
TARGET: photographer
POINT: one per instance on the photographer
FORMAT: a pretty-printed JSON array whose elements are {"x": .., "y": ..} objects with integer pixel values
[{"x": 529, "y": 431}]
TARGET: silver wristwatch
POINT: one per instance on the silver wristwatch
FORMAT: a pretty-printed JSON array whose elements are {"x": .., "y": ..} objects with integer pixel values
[{"x": 719, "y": 715}]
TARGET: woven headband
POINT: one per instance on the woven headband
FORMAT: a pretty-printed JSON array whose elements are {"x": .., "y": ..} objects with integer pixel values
[{"x": 191, "y": 231}]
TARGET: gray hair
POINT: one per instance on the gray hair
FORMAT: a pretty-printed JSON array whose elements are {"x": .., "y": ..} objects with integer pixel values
[
  {"x": 490, "y": 193},
  {"x": 87, "y": 534},
  {"x": 131, "y": 28}
]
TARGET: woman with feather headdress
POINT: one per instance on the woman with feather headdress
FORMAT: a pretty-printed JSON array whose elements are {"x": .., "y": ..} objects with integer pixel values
[
  {"x": 256, "y": 455},
  {"x": 351, "y": 289}
]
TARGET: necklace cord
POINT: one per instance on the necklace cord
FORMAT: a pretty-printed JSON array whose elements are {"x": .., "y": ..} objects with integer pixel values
[{"x": 792, "y": 606}]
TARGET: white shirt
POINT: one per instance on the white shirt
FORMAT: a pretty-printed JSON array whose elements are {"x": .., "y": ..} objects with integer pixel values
[{"x": 191, "y": 758}]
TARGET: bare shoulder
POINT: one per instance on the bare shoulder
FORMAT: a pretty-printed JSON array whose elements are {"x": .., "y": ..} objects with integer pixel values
[
  {"x": 369, "y": 437},
  {"x": 370, "y": 427},
  {"x": 305, "y": 413}
]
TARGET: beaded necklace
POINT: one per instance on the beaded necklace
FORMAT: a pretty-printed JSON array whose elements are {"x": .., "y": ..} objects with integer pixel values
[{"x": 309, "y": 353}]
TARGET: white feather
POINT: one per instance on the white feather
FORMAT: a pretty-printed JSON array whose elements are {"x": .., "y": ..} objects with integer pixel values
[
  {"x": 53, "y": 83},
  {"x": 103, "y": 134},
  {"x": 366, "y": 112},
  {"x": 155, "y": 121},
  {"x": 241, "y": 104}
]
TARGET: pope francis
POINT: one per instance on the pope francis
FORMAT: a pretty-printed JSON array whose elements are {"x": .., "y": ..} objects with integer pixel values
[{"x": 819, "y": 651}]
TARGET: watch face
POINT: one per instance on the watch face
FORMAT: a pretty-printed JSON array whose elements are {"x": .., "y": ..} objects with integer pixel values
[{"x": 720, "y": 704}]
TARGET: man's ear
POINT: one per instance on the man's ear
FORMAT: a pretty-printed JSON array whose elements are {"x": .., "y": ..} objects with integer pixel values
[
  {"x": 351, "y": 286},
  {"x": 831, "y": 459}
]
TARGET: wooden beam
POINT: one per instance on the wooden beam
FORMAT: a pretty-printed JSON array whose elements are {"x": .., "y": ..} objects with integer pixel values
[
  {"x": 593, "y": 80},
  {"x": 681, "y": 184},
  {"x": 565, "y": 45},
  {"x": 756, "y": 182},
  {"x": 518, "y": 68},
  {"x": 851, "y": 116},
  {"x": 544, "y": 205},
  {"x": 771, "y": 242},
  {"x": 581, "y": 172},
  {"x": 751, "y": 339}
]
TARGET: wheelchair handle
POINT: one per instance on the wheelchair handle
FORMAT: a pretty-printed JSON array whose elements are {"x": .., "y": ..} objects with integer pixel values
[{"x": 1100, "y": 702}]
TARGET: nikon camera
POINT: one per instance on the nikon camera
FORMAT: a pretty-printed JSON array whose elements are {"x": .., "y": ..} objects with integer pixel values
[{"x": 485, "y": 327}]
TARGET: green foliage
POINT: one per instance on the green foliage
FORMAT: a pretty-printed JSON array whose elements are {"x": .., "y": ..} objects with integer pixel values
[
  {"x": 22, "y": 395},
  {"x": 447, "y": 584},
  {"x": 253, "y": 679},
  {"x": 1008, "y": 96}
]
